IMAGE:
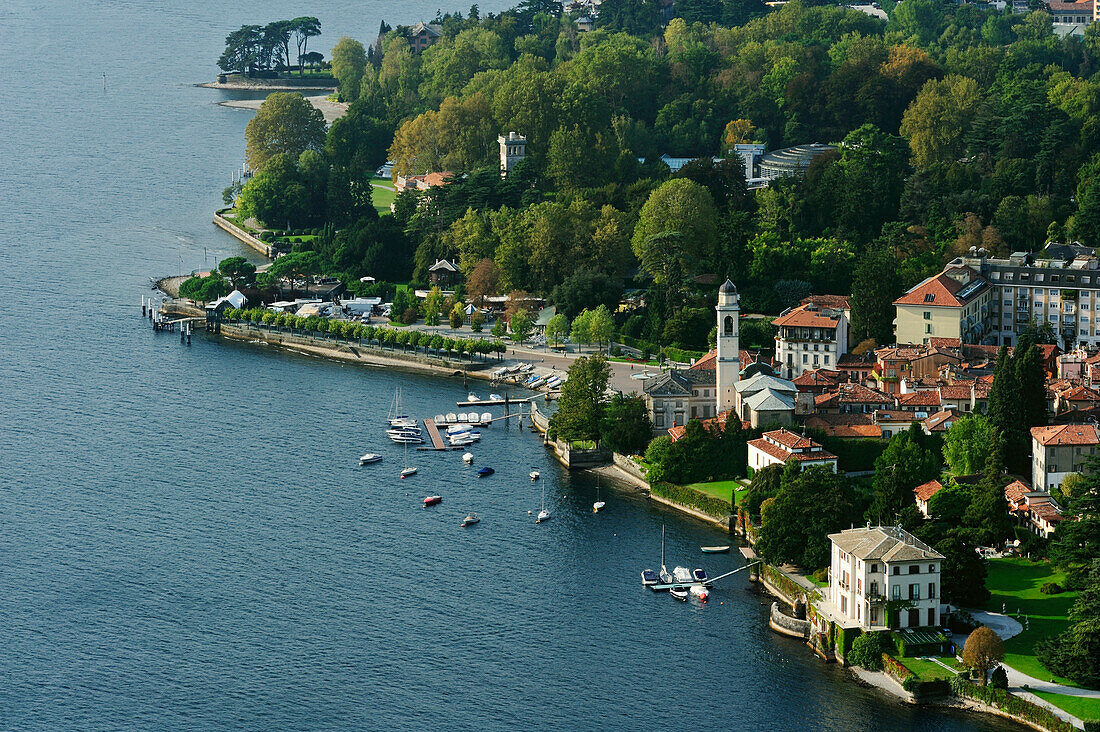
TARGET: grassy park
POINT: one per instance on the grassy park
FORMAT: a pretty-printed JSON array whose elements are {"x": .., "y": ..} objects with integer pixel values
[
  {"x": 1079, "y": 706},
  {"x": 383, "y": 194},
  {"x": 719, "y": 488},
  {"x": 1014, "y": 586}
]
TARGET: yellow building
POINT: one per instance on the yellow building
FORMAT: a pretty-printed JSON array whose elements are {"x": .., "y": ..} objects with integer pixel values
[{"x": 953, "y": 304}]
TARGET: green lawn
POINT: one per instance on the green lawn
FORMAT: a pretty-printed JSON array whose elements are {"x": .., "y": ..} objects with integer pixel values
[
  {"x": 1014, "y": 584},
  {"x": 1079, "y": 706},
  {"x": 929, "y": 670},
  {"x": 719, "y": 488},
  {"x": 382, "y": 194}
]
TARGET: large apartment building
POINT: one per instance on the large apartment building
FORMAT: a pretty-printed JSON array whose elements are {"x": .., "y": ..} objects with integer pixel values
[{"x": 990, "y": 300}]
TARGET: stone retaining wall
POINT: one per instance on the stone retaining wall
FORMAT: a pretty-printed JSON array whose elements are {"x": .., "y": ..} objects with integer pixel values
[
  {"x": 238, "y": 233},
  {"x": 627, "y": 463},
  {"x": 782, "y": 623}
]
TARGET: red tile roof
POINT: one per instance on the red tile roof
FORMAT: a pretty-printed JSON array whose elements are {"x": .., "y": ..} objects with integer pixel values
[
  {"x": 836, "y": 302},
  {"x": 925, "y": 491},
  {"x": 707, "y": 362},
  {"x": 818, "y": 377},
  {"x": 803, "y": 317},
  {"x": 927, "y": 398},
  {"x": 1065, "y": 434},
  {"x": 956, "y": 392},
  {"x": 938, "y": 422},
  {"x": 860, "y": 394},
  {"x": 942, "y": 290},
  {"x": 780, "y": 454},
  {"x": 790, "y": 440},
  {"x": 945, "y": 342},
  {"x": 1015, "y": 491},
  {"x": 1080, "y": 394}
]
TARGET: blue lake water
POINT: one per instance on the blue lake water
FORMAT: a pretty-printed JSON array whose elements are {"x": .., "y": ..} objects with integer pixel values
[{"x": 186, "y": 541}]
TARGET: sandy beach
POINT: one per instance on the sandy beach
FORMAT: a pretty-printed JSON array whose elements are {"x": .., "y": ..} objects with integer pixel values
[{"x": 331, "y": 110}]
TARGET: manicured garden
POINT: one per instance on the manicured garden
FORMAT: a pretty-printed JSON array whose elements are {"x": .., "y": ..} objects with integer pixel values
[
  {"x": 1079, "y": 706},
  {"x": 1014, "y": 585},
  {"x": 722, "y": 489},
  {"x": 930, "y": 670}
]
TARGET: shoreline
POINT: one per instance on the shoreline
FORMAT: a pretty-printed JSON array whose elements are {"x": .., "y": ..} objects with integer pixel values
[
  {"x": 266, "y": 85},
  {"x": 331, "y": 111}
]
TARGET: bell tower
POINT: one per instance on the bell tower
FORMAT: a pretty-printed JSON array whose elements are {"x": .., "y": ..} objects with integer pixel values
[{"x": 728, "y": 363}]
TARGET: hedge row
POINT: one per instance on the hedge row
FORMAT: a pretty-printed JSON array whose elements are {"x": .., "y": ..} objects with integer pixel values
[
  {"x": 896, "y": 668},
  {"x": 1013, "y": 705},
  {"x": 692, "y": 498},
  {"x": 781, "y": 582},
  {"x": 676, "y": 354}
]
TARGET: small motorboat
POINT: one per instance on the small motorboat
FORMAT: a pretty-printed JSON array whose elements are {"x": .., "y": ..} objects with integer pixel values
[
  {"x": 715, "y": 549},
  {"x": 496, "y": 398},
  {"x": 471, "y": 519},
  {"x": 408, "y": 430},
  {"x": 700, "y": 591},
  {"x": 468, "y": 458},
  {"x": 682, "y": 575},
  {"x": 598, "y": 506},
  {"x": 407, "y": 472},
  {"x": 451, "y": 417},
  {"x": 369, "y": 458},
  {"x": 440, "y": 419},
  {"x": 407, "y": 439},
  {"x": 461, "y": 441},
  {"x": 649, "y": 578},
  {"x": 485, "y": 472},
  {"x": 699, "y": 575},
  {"x": 471, "y": 397},
  {"x": 679, "y": 594},
  {"x": 486, "y": 417},
  {"x": 544, "y": 515},
  {"x": 432, "y": 500},
  {"x": 526, "y": 367},
  {"x": 402, "y": 421},
  {"x": 534, "y": 475}
]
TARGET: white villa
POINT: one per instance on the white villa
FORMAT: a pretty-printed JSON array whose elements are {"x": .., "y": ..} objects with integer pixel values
[
  {"x": 878, "y": 564},
  {"x": 780, "y": 447}
]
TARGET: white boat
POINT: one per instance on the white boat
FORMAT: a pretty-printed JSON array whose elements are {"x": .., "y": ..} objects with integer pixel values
[
  {"x": 700, "y": 591},
  {"x": 461, "y": 441},
  {"x": 471, "y": 397},
  {"x": 468, "y": 458},
  {"x": 463, "y": 417},
  {"x": 598, "y": 504},
  {"x": 407, "y": 470},
  {"x": 454, "y": 429},
  {"x": 451, "y": 418},
  {"x": 526, "y": 368},
  {"x": 402, "y": 422},
  {"x": 402, "y": 433},
  {"x": 665, "y": 575},
  {"x": 369, "y": 458},
  {"x": 440, "y": 419},
  {"x": 534, "y": 475},
  {"x": 471, "y": 519},
  {"x": 682, "y": 574},
  {"x": 496, "y": 398},
  {"x": 544, "y": 515},
  {"x": 396, "y": 415},
  {"x": 407, "y": 439},
  {"x": 537, "y": 383},
  {"x": 679, "y": 594},
  {"x": 486, "y": 417}
]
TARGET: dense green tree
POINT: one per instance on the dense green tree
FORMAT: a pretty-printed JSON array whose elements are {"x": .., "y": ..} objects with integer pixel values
[
  {"x": 765, "y": 484},
  {"x": 986, "y": 516},
  {"x": 582, "y": 396},
  {"x": 967, "y": 443},
  {"x": 903, "y": 465},
  {"x": 557, "y": 329},
  {"x": 204, "y": 289},
  {"x": 962, "y": 573},
  {"x": 686, "y": 209},
  {"x": 937, "y": 121},
  {"x": 239, "y": 270},
  {"x": 796, "y": 524},
  {"x": 285, "y": 123},
  {"x": 950, "y": 503},
  {"x": 624, "y": 426},
  {"x": 349, "y": 61},
  {"x": 585, "y": 289},
  {"x": 875, "y": 286},
  {"x": 521, "y": 325}
]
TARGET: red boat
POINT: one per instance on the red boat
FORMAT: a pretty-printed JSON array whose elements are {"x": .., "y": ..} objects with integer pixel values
[{"x": 432, "y": 500}]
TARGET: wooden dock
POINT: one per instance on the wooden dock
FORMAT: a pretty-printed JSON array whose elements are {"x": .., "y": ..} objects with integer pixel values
[
  {"x": 436, "y": 438},
  {"x": 495, "y": 402}
]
